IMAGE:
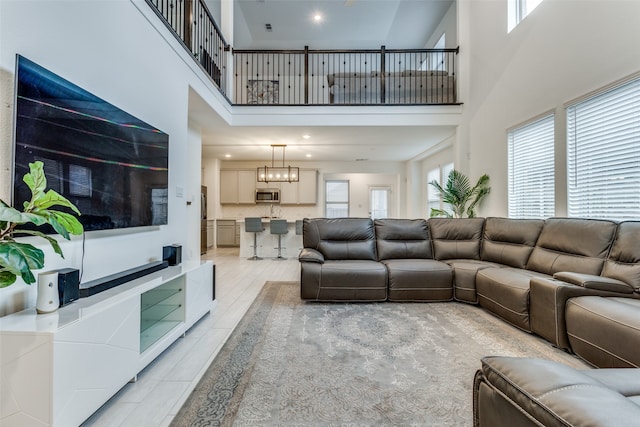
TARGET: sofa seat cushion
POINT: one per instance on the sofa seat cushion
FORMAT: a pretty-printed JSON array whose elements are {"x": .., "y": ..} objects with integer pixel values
[
  {"x": 512, "y": 391},
  {"x": 419, "y": 280},
  {"x": 605, "y": 331},
  {"x": 464, "y": 277},
  {"x": 348, "y": 280},
  {"x": 505, "y": 292}
]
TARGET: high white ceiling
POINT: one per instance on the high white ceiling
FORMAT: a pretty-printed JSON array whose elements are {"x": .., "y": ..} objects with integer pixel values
[{"x": 346, "y": 24}]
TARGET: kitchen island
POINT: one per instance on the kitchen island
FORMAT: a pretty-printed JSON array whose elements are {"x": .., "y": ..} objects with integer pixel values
[{"x": 268, "y": 243}]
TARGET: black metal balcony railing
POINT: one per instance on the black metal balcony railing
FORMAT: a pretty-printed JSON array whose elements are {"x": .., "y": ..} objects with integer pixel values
[
  {"x": 312, "y": 77},
  {"x": 345, "y": 77},
  {"x": 194, "y": 26}
]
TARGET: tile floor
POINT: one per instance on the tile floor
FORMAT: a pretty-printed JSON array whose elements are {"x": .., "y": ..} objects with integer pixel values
[{"x": 162, "y": 387}]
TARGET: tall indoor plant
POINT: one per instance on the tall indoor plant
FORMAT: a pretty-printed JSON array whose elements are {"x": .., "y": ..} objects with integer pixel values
[
  {"x": 460, "y": 195},
  {"x": 19, "y": 259}
]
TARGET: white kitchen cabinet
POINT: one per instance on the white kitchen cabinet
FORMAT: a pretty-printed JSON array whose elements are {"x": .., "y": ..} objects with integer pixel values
[
  {"x": 210, "y": 233},
  {"x": 226, "y": 231},
  {"x": 237, "y": 186},
  {"x": 303, "y": 192}
]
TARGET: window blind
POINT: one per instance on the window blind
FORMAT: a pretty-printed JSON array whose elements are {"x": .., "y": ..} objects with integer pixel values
[
  {"x": 603, "y": 154},
  {"x": 433, "y": 197},
  {"x": 531, "y": 170}
]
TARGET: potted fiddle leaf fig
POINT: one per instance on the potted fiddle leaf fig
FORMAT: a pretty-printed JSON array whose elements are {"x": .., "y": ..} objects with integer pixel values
[
  {"x": 461, "y": 197},
  {"x": 17, "y": 258}
]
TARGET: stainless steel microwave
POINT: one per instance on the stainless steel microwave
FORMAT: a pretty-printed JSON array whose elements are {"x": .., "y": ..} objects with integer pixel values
[{"x": 267, "y": 195}]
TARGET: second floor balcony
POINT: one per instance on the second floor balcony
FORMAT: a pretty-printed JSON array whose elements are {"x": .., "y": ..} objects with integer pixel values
[{"x": 311, "y": 77}]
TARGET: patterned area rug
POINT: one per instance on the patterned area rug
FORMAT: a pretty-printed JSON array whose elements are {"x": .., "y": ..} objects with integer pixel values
[{"x": 296, "y": 363}]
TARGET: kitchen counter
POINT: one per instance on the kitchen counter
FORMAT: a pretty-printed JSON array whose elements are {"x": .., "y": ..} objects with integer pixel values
[{"x": 268, "y": 243}]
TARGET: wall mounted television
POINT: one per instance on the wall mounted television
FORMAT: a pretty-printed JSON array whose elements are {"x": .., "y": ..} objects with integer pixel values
[{"x": 111, "y": 165}]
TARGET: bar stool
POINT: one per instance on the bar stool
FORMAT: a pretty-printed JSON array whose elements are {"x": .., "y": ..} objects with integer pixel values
[
  {"x": 279, "y": 227},
  {"x": 254, "y": 225}
]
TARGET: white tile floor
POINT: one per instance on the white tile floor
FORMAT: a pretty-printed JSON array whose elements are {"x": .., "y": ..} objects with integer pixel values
[{"x": 165, "y": 384}]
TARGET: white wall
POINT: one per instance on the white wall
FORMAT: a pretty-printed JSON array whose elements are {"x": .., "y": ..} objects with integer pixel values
[
  {"x": 562, "y": 50},
  {"x": 448, "y": 27},
  {"x": 110, "y": 49}
]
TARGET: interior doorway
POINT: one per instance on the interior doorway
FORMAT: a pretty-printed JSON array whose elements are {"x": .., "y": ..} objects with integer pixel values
[{"x": 379, "y": 202}]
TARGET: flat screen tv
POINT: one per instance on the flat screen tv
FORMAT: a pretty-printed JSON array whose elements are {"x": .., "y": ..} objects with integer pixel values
[{"x": 111, "y": 165}]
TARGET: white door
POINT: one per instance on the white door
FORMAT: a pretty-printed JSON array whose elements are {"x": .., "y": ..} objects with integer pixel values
[{"x": 379, "y": 202}]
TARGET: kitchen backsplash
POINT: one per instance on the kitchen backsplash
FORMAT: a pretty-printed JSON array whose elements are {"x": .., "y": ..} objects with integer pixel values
[{"x": 265, "y": 210}]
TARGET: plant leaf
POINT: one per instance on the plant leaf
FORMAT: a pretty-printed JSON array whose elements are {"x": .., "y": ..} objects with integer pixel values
[
  {"x": 35, "y": 179},
  {"x": 439, "y": 212},
  {"x": 54, "y": 243},
  {"x": 69, "y": 222},
  {"x": 9, "y": 214},
  {"x": 21, "y": 258},
  {"x": 52, "y": 198},
  {"x": 7, "y": 278}
]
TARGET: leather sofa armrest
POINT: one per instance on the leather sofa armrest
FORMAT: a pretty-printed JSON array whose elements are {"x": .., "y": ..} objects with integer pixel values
[
  {"x": 547, "y": 300},
  {"x": 311, "y": 255},
  {"x": 590, "y": 281},
  {"x": 519, "y": 391}
]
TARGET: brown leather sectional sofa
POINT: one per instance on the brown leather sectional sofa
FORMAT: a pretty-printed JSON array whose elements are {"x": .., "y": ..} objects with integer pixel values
[{"x": 574, "y": 282}]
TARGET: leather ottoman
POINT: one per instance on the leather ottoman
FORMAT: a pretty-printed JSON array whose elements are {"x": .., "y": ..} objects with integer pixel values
[{"x": 605, "y": 331}]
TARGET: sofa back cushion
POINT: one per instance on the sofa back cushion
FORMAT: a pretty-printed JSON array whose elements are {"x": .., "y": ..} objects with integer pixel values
[
  {"x": 576, "y": 245},
  {"x": 402, "y": 238},
  {"x": 455, "y": 238},
  {"x": 624, "y": 259},
  {"x": 341, "y": 238},
  {"x": 510, "y": 241}
]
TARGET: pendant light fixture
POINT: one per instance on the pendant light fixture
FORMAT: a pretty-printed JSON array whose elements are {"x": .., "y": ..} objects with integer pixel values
[{"x": 278, "y": 173}]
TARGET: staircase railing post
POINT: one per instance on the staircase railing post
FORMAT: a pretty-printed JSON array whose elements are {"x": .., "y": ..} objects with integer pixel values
[
  {"x": 382, "y": 74},
  {"x": 306, "y": 75},
  {"x": 188, "y": 24}
]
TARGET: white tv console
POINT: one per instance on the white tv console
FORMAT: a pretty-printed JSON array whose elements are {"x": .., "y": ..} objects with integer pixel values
[{"x": 57, "y": 369}]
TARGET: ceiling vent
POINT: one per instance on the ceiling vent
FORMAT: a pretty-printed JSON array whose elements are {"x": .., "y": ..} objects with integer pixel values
[{"x": 268, "y": 27}]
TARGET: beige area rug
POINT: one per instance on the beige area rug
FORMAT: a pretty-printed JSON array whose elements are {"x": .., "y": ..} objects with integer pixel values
[{"x": 296, "y": 363}]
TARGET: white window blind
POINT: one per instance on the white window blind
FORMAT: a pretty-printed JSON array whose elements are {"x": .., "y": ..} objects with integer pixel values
[
  {"x": 336, "y": 198},
  {"x": 433, "y": 197},
  {"x": 603, "y": 143},
  {"x": 531, "y": 170}
]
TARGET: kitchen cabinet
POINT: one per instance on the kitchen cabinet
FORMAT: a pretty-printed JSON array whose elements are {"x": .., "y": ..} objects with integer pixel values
[
  {"x": 226, "y": 232},
  {"x": 303, "y": 192},
  {"x": 237, "y": 186},
  {"x": 210, "y": 226}
]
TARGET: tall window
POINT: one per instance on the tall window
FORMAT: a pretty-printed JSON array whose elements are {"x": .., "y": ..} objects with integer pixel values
[
  {"x": 603, "y": 154},
  {"x": 434, "y": 198},
  {"x": 518, "y": 10},
  {"x": 336, "y": 198},
  {"x": 531, "y": 170}
]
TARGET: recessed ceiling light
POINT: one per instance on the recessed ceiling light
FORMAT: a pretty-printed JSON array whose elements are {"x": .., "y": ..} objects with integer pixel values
[
  {"x": 317, "y": 17},
  {"x": 308, "y": 155},
  {"x": 306, "y": 136},
  {"x": 227, "y": 155}
]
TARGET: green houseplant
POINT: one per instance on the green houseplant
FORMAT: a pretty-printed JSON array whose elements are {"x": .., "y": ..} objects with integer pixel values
[
  {"x": 460, "y": 195},
  {"x": 19, "y": 259}
]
